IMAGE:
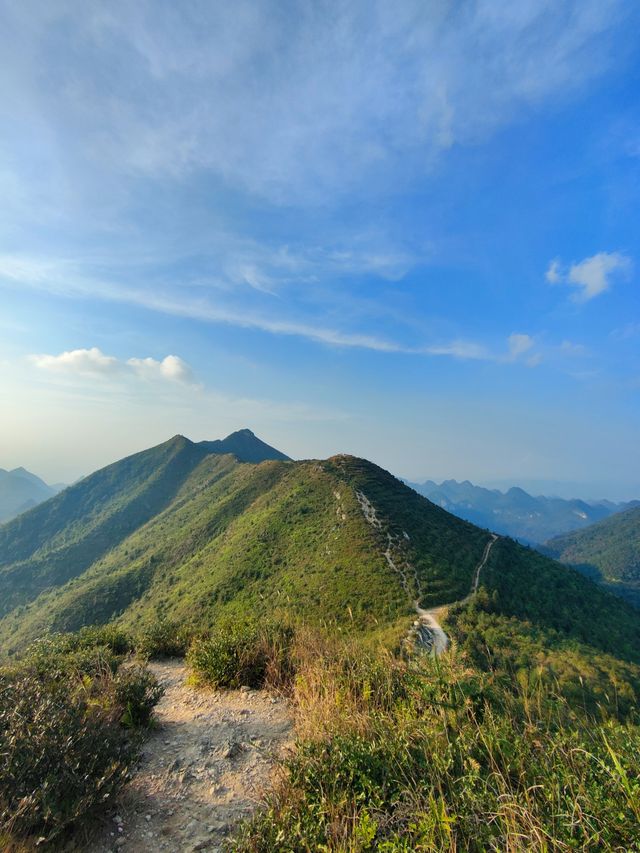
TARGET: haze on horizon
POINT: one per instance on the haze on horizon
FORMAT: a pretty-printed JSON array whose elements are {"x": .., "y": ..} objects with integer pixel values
[{"x": 407, "y": 233}]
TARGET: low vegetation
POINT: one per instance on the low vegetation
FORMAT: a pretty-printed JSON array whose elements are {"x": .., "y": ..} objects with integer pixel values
[
  {"x": 71, "y": 716},
  {"x": 440, "y": 755},
  {"x": 437, "y": 757},
  {"x": 518, "y": 739},
  {"x": 238, "y": 654},
  {"x": 524, "y": 736}
]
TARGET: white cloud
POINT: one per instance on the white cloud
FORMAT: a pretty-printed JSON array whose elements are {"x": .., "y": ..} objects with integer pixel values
[
  {"x": 591, "y": 276},
  {"x": 553, "y": 274},
  {"x": 94, "y": 363},
  {"x": 519, "y": 344},
  {"x": 171, "y": 367},
  {"x": 65, "y": 283},
  {"x": 84, "y": 362}
]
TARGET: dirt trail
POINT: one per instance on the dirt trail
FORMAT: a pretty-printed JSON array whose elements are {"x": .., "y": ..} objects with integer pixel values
[
  {"x": 202, "y": 769},
  {"x": 427, "y": 631},
  {"x": 482, "y": 563},
  {"x": 427, "y": 627}
]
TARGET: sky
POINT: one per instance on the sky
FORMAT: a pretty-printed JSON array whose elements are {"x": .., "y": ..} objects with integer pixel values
[{"x": 408, "y": 231}]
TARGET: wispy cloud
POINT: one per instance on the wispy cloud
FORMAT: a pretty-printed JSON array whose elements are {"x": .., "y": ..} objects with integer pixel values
[
  {"x": 63, "y": 281},
  {"x": 459, "y": 349},
  {"x": 92, "y": 362},
  {"x": 591, "y": 276},
  {"x": 297, "y": 106},
  {"x": 519, "y": 344}
]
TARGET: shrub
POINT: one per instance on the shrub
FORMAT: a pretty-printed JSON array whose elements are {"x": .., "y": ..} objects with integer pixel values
[
  {"x": 65, "y": 655},
  {"x": 164, "y": 638},
  {"x": 61, "y": 754},
  {"x": 244, "y": 654},
  {"x": 137, "y": 692},
  {"x": 66, "y": 714}
]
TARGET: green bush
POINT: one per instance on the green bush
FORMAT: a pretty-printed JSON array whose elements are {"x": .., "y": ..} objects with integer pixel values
[
  {"x": 61, "y": 754},
  {"x": 137, "y": 692},
  {"x": 163, "y": 639},
  {"x": 66, "y": 714},
  {"x": 89, "y": 651},
  {"x": 243, "y": 654}
]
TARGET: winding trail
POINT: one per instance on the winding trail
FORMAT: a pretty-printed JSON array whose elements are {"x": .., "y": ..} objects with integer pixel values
[
  {"x": 482, "y": 563},
  {"x": 427, "y": 622},
  {"x": 427, "y": 631},
  {"x": 202, "y": 769}
]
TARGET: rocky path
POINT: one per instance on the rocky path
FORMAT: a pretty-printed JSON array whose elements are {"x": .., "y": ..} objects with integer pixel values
[
  {"x": 427, "y": 630},
  {"x": 427, "y": 633},
  {"x": 202, "y": 770}
]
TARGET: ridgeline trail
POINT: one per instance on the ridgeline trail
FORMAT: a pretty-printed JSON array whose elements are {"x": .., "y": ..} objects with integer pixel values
[
  {"x": 427, "y": 626},
  {"x": 202, "y": 769},
  {"x": 427, "y": 630}
]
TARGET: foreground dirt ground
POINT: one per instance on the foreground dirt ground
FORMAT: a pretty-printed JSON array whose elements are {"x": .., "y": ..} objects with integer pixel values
[{"x": 202, "y": 770}]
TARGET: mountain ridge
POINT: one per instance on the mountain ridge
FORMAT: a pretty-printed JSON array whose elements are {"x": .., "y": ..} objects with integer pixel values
[
  {"x": 515, "y": 512},
  {"x": 179, "y": 532},
  {"x": 20, "y": 490},
  {"x": 608, "y": 551}
]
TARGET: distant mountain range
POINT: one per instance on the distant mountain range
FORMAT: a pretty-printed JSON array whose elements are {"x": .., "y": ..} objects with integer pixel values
[
  {"x": 516, "y": 513},
  {"x": 21, "y": 490},
  {"x": 608, "y": 551},
  {"x": 193, "y": 532}
]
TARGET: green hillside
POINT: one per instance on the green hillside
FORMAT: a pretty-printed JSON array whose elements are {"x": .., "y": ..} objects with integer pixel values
[
  {"x": 63, "y": 537},
  {"x": 237, "y": 537},
  {"x": 608, "y": 551},
  {"x": 179, "y": 532},
  {"x": 308, "y": 573}
]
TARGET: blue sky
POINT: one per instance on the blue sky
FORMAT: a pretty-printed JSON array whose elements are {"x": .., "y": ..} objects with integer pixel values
[{"x": 408, "y": 231}]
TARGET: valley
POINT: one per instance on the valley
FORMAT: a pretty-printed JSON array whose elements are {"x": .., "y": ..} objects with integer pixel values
[{"x": 527, "y": 518}]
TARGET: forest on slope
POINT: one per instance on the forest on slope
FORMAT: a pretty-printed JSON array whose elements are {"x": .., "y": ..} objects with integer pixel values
[{"x": 608, "y": 551}]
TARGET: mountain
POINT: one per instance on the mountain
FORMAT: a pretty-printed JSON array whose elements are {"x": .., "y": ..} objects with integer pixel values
[
  {"x": 61, "y": 538},
  {"x": 246, "y": 446},
  {"x": 20, "y": 490},
  {"x": 515, "y": 512},
  {"x": 183, "y": 532},
  {"x": 608, "y": 551}
]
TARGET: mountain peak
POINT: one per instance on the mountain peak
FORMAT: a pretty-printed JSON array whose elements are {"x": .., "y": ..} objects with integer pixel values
[{"x": 245, "y": 446}]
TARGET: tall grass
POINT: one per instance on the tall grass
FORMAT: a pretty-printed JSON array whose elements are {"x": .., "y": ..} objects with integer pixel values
[{"x": 432, "y": 755}]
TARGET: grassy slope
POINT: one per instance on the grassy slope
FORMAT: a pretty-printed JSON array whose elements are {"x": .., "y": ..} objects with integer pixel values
[
  {"x": 263, "y": 538},
  {"x": 529, "y": 586},
  {"x": 611, "y": 546},
  {"x": 61, "y": 538},
  {"x": 608, "y": 551},
  {"x": 292, "y": 537},
  {"x": 541, "y": 622}
]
